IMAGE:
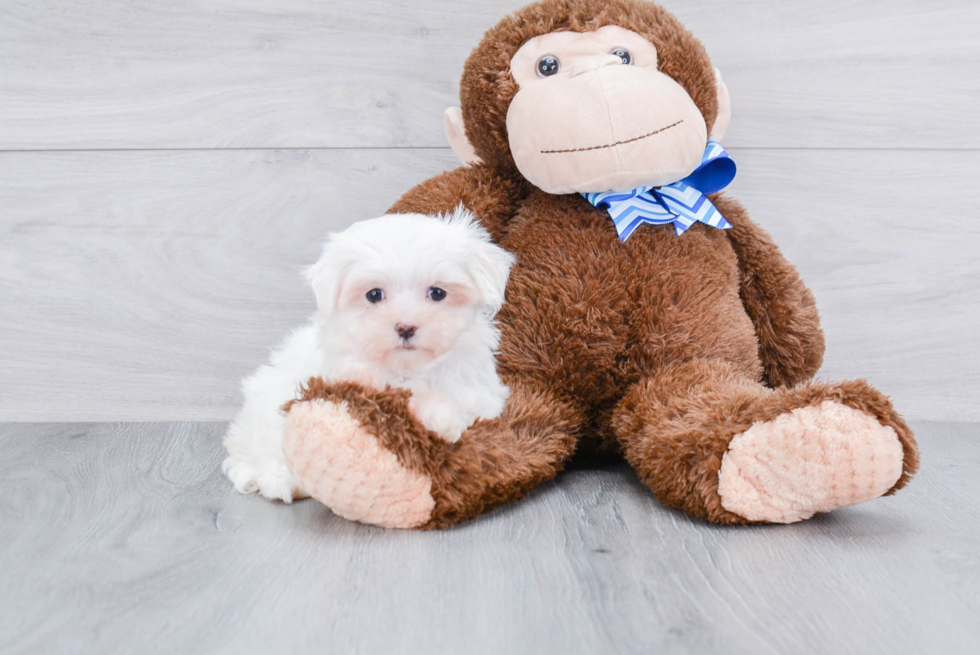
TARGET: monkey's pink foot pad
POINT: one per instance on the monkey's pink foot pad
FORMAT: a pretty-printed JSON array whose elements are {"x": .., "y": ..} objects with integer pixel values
[
  {"x": 812, "y": 459},
  {"x": 344, "y": 466}
]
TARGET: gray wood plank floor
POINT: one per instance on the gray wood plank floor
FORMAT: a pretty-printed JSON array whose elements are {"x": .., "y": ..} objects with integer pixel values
[
  {"x": 167, "y": 169},
  {"x": 125, "y": 538}
]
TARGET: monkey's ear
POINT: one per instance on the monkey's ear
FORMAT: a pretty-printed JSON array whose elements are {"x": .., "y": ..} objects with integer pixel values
[
  {"x": 724, "y": 110},
  {"x": 456, "y": 134}
]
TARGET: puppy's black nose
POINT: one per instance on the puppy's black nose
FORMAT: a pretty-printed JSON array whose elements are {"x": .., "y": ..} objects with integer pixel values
[{"x": 406, "y": 332}]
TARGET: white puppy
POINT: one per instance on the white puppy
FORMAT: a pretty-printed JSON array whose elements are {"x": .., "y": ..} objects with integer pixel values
[{"x": 405, "y": 300}]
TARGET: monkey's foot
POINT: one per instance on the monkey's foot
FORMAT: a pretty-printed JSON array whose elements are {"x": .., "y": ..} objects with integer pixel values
[
  {"x": 340, "y": 462},
  {"x": 811, "y": 459}
]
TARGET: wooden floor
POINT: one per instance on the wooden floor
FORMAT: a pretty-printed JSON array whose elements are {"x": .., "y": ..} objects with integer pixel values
[
  {"x": 125, "y": 537},
  {"x": 167, "y": 169}
]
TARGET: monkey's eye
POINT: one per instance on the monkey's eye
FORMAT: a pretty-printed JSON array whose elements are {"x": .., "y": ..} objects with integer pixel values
[
  {"x": 375, "y": 295},
  {"x": 548, "y": 66},
  {"x": 623, "y": 54},
  {"x": 437, "y": 294}
]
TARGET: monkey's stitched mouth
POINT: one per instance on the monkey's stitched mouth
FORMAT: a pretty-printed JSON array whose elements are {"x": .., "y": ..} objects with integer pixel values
[{"x": 618, "y": 143}]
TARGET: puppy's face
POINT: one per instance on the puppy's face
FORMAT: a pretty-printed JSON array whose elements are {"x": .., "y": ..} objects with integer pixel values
[
  {"x": 401, "y": 290},
  {"x": 405, "y": 319}
]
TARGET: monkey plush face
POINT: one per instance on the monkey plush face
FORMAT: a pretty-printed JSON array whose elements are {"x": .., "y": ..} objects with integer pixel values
[
  {"x": 594, "y": 113},
  {"x": 589, "y": 95}
]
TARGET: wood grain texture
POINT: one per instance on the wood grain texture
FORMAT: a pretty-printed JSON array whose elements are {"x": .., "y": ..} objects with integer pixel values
[
  {"x": 126, "y": 538},
  {"x": 895, "y": 267},
  {"x": 377, "y": 73},
  {"x": 115, "y": 267},
  {"x": 144, "y": 285}
]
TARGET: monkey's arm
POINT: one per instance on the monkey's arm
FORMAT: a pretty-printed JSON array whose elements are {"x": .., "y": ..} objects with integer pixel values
[
  {"x": 482, "y": 190},
  {"x": 782, "y": 308}
]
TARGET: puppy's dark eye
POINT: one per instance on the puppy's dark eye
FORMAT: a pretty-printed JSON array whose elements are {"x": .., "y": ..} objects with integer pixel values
[
  {"x": 623, "y": 54},
  {"x": 375, "y": 295},
  {"x": 437, "y": 294},
  {"x": 548, "y": 66}
]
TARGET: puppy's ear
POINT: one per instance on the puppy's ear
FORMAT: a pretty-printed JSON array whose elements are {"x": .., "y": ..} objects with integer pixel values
[
  {"x": 490, "y": 268},
  {"x": 327, "y": 276}
]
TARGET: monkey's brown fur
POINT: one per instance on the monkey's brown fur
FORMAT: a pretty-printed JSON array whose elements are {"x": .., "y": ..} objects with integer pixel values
[{"x": 662, "y": 347}]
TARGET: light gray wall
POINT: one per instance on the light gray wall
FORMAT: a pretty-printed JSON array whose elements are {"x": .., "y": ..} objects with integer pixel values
[{"x": 167, "y": 169}]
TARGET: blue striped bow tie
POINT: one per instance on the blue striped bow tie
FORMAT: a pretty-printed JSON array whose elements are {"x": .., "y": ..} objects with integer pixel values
[{"x": 682, "y": 203}]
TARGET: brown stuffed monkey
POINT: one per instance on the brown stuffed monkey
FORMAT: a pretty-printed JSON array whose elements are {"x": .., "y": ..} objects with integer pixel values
[{"x": 688, "y": 351}]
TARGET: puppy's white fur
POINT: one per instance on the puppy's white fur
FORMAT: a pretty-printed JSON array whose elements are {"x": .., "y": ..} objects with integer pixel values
[{"x": 447, "y": 362}]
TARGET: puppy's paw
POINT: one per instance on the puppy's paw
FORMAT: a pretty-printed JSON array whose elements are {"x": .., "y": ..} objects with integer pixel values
[
  {"x": 241, "y": 473},
  {"x": 449, "y": 431},
  {"x": 270, "y": 479},
  {"x": 439, "y": 415},
  {"x": 356, "y": 372}
]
